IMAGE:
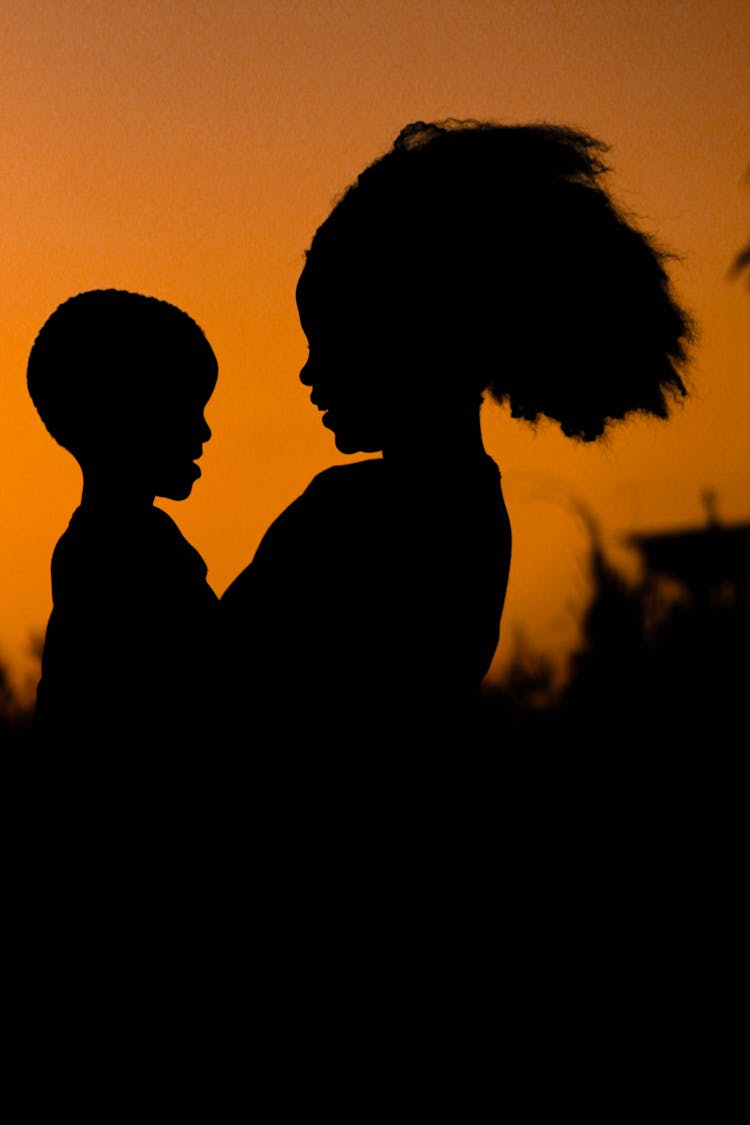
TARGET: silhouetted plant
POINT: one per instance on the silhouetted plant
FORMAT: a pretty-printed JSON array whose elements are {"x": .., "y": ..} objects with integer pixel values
[
  {"x": 521, "y": 706},
  {"x": 6, "y": 693},
  {"x": 659, "y": 670},
  {"x": 15, "y": 713},
  {"x": 741, "y": 263}
]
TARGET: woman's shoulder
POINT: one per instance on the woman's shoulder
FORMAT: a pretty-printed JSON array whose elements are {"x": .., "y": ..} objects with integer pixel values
[
  {"x": 311, "y": 527},
  {"x": 341, "y": 480},
  {"x": 337, "y": 492}
]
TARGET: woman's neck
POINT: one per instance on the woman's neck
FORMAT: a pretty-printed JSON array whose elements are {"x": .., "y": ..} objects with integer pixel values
[{"x": 441, "y": 434}]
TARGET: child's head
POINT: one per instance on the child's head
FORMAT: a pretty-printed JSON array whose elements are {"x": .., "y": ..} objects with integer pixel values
[
  {"x": 121, "y": 380},
  {"x": 476, "y": 256}
]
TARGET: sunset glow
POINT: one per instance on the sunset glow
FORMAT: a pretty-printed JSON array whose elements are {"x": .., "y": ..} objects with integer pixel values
[{"x": 190, "y": 150}]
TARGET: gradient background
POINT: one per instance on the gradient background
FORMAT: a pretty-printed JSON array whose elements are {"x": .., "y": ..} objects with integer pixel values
[{"x": 189, "y": 150}]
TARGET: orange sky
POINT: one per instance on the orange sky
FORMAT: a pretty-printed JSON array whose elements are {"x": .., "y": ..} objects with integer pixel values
[{"x": 189, "y": 149}]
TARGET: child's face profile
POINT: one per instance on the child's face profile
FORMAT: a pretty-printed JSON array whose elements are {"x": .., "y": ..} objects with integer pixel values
[
  {"x": 172, "y": 439},
  {"x": 153, "y": 448},
  {"x": 348, "y": 367}
]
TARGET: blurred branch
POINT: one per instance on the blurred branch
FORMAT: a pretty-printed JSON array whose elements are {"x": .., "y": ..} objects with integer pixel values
[{"x": 741, "y": 263}]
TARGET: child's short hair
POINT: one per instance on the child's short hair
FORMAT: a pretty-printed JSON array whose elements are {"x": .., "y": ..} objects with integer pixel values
[{"x": 101, "y": 349}]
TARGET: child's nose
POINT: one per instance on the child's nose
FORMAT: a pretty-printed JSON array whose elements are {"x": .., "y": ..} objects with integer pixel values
[{"x": 305, "y": 375}]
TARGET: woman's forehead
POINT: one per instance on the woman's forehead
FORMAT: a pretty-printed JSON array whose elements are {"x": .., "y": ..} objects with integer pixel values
[{"x": 341, "y": 279}]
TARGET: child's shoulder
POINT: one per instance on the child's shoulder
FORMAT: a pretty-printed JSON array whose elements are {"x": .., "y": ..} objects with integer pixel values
[{"x": 97, "y": 543}]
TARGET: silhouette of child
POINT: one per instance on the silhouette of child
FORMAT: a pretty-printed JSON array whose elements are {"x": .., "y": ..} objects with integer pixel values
[
  {"x": 121, "y": 381},
  {"x": 130, "y": 835},
  {"x": 470, "y": 259}
]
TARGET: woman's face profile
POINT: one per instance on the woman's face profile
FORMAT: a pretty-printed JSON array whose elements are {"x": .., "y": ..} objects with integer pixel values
[{"x": 348, "y": 367}]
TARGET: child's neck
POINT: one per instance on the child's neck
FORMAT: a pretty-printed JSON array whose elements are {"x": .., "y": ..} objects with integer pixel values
[{"x": 114, "y": 493}]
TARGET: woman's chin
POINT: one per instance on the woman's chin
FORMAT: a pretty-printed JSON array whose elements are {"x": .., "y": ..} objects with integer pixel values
[
  {"x": 350, "y": 440},
  {"x": 346, "y": 444}
]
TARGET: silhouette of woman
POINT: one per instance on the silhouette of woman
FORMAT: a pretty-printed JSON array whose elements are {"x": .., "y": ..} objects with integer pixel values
[{"x": 472, "y": 258}]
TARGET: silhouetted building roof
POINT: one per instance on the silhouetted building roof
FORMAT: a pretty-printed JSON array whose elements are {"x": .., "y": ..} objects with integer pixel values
[{"x": 700, "y": 557}]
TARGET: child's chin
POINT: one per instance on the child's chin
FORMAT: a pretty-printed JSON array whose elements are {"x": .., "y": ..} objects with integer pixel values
[
  {"x": 179, "y": 486},
  {"x": 177, "y": 492}
]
